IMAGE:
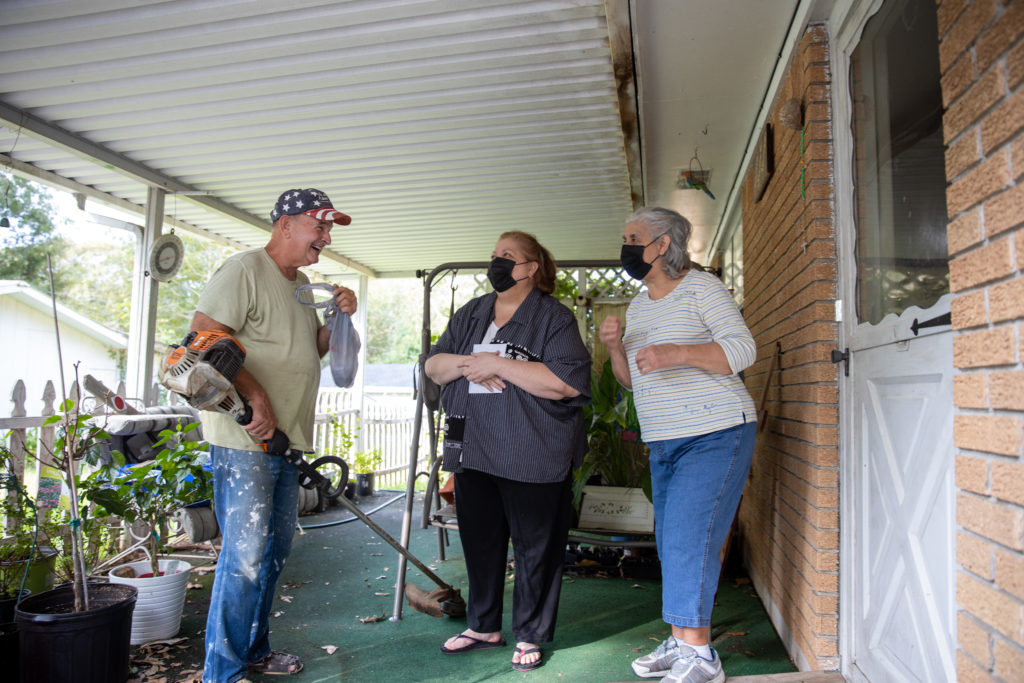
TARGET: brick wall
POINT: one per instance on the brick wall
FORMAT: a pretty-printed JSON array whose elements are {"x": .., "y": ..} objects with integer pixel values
[
  {"x": 981, "y": 53},
  {"x": 789, "y": 518}
]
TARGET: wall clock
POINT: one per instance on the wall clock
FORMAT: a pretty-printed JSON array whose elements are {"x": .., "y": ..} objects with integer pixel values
[{"x": 165, "y": 257}]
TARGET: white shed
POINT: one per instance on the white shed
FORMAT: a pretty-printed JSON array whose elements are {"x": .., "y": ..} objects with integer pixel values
[{"x": 29, "y": 343}]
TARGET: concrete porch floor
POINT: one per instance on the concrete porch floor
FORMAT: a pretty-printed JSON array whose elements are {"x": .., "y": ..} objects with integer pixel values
[{"x": 340, "y": 578}]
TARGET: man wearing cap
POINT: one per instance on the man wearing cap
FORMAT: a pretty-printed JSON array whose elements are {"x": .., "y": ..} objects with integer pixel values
[{"x": 252, "y": 297}]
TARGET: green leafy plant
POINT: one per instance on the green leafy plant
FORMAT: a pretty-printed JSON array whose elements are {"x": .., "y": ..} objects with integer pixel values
[
  {"x": 343, "y": 438},
  {"x": 616, "y": 452},
  {"x": 43, "y": 534},
  {"x": 13, "y": 571},
  {"x": 366, "y": 462},
  {"x": 98, "y": 542},
  {"x": 151, "y": 492},
  {"x": 77, "y": 439},
  {"x": 360, "y": 462},
  {"x": 20, "y": 527}
]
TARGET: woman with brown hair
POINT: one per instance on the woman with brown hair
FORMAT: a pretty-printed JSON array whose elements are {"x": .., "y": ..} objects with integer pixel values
[{"x": 515, "y": 377}]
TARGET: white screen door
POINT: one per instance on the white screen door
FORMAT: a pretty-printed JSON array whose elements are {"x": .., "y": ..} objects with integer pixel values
[{"x": 897, "y": 476}]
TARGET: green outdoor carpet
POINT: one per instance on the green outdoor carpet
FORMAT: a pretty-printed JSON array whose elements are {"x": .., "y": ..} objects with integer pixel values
[{"x": 339, "y": 576}]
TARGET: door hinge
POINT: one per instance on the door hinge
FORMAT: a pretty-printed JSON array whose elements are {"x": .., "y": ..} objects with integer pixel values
[{"x": 843, "y": 356}]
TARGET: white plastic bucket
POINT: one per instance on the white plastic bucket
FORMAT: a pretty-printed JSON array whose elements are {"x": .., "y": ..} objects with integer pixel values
[{"x": 160, "y": 601}]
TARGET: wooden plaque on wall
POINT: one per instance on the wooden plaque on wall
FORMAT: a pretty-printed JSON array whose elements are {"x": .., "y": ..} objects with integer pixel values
[{"x": 763, "y": 162}]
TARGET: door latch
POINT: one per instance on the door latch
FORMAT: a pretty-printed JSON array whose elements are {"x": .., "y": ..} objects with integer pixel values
[
  {"x": 843, "y": 356},
  {"x": 944, "y": 319}
]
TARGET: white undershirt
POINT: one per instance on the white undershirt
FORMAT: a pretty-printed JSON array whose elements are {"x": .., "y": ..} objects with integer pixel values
[{"x": 490, "y": 333}]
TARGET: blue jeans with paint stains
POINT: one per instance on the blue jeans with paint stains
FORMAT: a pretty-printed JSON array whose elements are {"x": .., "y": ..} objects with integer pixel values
[
  {"x": 696, "y": 483},
  {"x": 255, "y": 496}
]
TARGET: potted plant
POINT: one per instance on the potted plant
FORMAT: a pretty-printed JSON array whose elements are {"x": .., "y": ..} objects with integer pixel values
[
  {"x": 365, "y": 464},
  {"x": 98, "y": 542},
  {"x": 147, "y": 497},
  {"x": 27, "y": 555},
  {"x": 79, "y": 631},
  {"x": 612, "y": 488},
  {"x": 19, "y": 538},
  {"x": 17, "y": 549}
]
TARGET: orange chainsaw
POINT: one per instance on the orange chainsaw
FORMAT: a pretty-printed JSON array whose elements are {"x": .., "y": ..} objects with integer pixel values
[{"x": 202, "y": 370}]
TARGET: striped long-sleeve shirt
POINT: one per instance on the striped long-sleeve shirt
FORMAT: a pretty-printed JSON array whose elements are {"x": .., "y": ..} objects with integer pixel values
[
  {"x": 686, "y": 401},
  {"x": 514, "y": 434}
]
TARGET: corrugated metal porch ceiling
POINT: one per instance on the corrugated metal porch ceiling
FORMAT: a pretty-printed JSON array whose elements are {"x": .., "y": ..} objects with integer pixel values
[{"x": 436, "y": 125}]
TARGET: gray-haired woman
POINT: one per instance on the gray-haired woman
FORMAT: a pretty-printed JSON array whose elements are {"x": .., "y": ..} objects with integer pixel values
[{"x": 684, "y": 343}]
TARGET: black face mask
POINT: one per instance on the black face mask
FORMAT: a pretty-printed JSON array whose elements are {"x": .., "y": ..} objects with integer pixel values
[
  {"x": 500, "y": 273},
  {"x": 632, "y": 258}
]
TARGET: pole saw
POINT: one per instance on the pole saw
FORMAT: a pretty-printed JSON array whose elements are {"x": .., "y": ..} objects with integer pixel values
[{"x": 202, "y": 370}]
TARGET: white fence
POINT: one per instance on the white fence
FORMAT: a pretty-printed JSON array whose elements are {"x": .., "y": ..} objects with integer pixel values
[{"x": 384, "y": 423}]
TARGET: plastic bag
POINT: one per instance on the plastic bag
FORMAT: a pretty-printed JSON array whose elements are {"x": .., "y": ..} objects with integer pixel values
[{"x": 345, "y": 344}]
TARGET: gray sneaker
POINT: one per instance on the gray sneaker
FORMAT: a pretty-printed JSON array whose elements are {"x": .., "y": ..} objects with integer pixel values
[
  {"x": 659, "y": 662},
  {"x": 692, "y": 668}
]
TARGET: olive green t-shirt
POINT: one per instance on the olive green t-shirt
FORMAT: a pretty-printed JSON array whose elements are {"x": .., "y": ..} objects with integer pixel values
[{"x": 249, "y": 294}]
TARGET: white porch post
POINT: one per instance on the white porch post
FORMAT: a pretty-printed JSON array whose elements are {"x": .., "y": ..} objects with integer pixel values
[
  {"x": 142, "y": 326},
  {"x": 360, "y": 384}
]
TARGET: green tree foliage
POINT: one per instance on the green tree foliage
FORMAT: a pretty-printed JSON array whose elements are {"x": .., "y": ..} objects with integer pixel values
[
  {"x": 32, "y": 235},
  {"x": 98, "y": 280},
  {"x": 394, "y": 315},
  {"x": 100, "y": 284},
  {"x": 393, "y": 312}
]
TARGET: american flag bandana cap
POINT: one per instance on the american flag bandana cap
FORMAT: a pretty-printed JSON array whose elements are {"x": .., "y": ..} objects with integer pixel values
[{"x": 310, "y": 202}]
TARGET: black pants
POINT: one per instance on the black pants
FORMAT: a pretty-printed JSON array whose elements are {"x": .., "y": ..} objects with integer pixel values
[{"x": 536, "y": 517}]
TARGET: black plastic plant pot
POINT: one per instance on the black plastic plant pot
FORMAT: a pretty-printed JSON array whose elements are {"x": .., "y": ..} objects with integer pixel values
[
  {"x": 59, "y": 645},
  {"x": 9, "y": 650},
  {"x": 7, "y": 605},
  {"x": 364, "y": 484}
]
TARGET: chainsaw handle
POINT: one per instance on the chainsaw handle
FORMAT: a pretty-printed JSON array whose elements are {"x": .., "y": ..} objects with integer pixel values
[
  {"x": 245, "y": 417},
  {"x": 277, "y": 444}
]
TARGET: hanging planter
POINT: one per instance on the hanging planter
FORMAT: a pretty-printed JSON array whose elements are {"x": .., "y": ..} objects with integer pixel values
[{"x": 161, "y": 599}]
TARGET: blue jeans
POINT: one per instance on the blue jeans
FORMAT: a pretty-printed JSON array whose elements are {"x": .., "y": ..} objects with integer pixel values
[
  {"x": 697, "y": 482},
  {"x": 255, "y": 496}
]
